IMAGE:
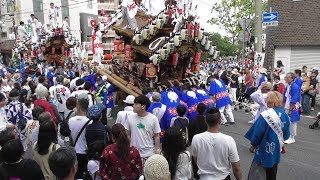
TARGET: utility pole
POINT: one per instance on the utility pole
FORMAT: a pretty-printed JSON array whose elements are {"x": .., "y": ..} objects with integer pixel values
[{"x": 258, "y": 26}]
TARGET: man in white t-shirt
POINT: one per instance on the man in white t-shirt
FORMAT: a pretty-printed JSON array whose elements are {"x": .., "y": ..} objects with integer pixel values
[
  {"x": 60, "y": 94},
  {"x": 122, "y": 116},
  {"x": 144, "y": 129},
  {"x": 75, "y": 124},
  {"x": 215, "y": 153}
]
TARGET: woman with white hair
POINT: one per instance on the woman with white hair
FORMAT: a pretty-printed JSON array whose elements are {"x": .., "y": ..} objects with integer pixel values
[{"x": 42, "y": 93}]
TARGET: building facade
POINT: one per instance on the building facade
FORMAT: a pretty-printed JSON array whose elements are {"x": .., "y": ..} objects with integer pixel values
[
  {"x": 14, "y": 11},
  {"x": 296, "y": 40},
  {"x": 105, "y": 9}
]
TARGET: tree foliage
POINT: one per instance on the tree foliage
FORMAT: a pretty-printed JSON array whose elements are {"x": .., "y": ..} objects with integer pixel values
[
  {"x": 229, "y": 12},
  {"x": 223, "y": 44}
]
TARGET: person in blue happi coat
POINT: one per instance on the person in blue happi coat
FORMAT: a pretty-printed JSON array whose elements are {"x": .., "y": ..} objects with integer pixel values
[
  {"x": 292, "y": 97},
  {"x": 266, "y": 137},
  {"x": 50, "y": 75},
  {"x": 171, "y": 100},
  {"x": 219, "y": 94},
  {"x": 189, "y": 96},
  {"x": 203, "y": 96},
  {"x": 156, "y": 107},
  {"x": 104, "y": 93}
]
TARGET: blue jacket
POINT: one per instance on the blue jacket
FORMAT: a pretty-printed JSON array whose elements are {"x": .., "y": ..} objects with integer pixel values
[
  {"x": 171, "y": 100},
  {"x": 295, "y": 93},
  {"x": 298, "y": 81},
  {"x": 262, "y": 79},
  {"x": 106, "y": 95},
  {"x": 191, "y": 99},
  {"x": 220, "y": 93},
  {"x": 266, "y": 140}
]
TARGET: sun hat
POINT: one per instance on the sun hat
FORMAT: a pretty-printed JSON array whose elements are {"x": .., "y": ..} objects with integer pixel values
[
  {"x": 156, "y": 167},
  {"x": 129, "y": 99}
]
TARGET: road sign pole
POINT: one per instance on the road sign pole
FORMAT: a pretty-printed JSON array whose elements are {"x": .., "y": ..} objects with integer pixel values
[
  {"x": 244, "y": 36},
  {"x": 258, "y": 26}
]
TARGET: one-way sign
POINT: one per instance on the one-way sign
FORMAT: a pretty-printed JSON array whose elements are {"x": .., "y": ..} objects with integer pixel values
[{"x": 270, "y": 19}]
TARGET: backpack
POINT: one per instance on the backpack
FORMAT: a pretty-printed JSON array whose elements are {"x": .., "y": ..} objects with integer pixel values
[
  {"x": 64, "y": 126},
  {"x": 183, "y": 128}
]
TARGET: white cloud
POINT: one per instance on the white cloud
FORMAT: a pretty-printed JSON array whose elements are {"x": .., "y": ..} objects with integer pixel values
[{"x": 205, "y": 14}]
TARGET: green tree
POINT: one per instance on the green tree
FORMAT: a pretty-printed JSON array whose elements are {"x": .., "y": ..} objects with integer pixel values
[
  {"x": 229, "y": 12},
  {"x": 224, "y": 45}
]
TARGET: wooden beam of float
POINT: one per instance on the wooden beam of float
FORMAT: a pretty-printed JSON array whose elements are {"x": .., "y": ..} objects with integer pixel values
[{"x": 119, "y": 82}]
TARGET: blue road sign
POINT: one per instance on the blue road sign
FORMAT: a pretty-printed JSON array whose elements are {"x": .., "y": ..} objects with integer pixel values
[{"x": 271, "y": 17}]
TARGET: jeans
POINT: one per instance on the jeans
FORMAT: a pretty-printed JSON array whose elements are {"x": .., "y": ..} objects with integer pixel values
[
  {"x": 306, "y": 103},
  {"x": 313, "y": 101}
]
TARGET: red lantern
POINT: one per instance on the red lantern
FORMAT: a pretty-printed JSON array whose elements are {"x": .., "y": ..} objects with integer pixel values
[
  {"x": 189, "y": 28},
  {"x": 53, "y": 50},
  {"x": 69, "y": 54},
  {"x": 128, "y": 52},
  {"x": 197, "y": 58},
  {"x": 108, "y": 57},
  {"x": 118, "y": 46},
  {"x": 196, "y": 30},
  {"x": 175, "y": 59},
  {"x": 60, "y": 31}
]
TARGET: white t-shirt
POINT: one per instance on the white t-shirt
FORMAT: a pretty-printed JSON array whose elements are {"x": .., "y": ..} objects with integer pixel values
[
  {"x": 215, "y": 152},
  {"x": 122, "y": 116},
  {"x": 59, "y": 93},
  {"x": 184, "y": 166},
  {"x": 142, "y": 130},
  {"x": 75, "y": 124},
  {"x": 93, "y": 167}
]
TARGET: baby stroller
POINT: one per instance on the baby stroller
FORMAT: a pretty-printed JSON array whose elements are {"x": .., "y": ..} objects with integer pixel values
[{"x": 315, "y": 124}]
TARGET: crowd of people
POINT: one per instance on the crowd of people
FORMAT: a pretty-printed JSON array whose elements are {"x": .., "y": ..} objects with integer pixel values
[{"x": 171, "y": 132}]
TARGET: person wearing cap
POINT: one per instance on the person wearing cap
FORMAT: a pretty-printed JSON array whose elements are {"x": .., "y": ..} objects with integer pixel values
[
  {"x": 13, "y": 109},
  {"x": 156, "y": 168},
  {"x": 291, "y": 99},
  {"x": 104, "y": 93},
  {"x": 122, "y": 116},
  {"x": 157, "y": 108},
  {"x": 219, "y": 94},
  {"x": 263, "y": 76},
  {"x": 96, "y": 130},
  {"x": 59, "y": 93},
  {"x": 259, "y": 97}
]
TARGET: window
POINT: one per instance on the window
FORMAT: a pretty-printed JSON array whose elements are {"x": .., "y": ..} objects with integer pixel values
[
  {"x": 64, "y": 8},
  {"x": 10, "y": 6}
]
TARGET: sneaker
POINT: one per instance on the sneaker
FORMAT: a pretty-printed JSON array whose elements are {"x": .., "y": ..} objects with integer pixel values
[
  {"x": 312, "y": 109},
  {"x": 290, "y": 141},
  {"x": 230, "y": 123},
  {"x": 251, "y": 122},
  {"x": 224, "y": 124}
]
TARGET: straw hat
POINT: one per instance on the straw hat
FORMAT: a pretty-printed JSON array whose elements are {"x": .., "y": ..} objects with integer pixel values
[{"x": 263, "y": 70}]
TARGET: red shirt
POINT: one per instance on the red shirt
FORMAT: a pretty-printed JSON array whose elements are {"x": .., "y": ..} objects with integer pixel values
[
  {"x": 47, "y": 107},
  {"x": 112, "y": 167},
  {"x": 281, "y": 88},
  {"x": 248, "y": 80}
]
